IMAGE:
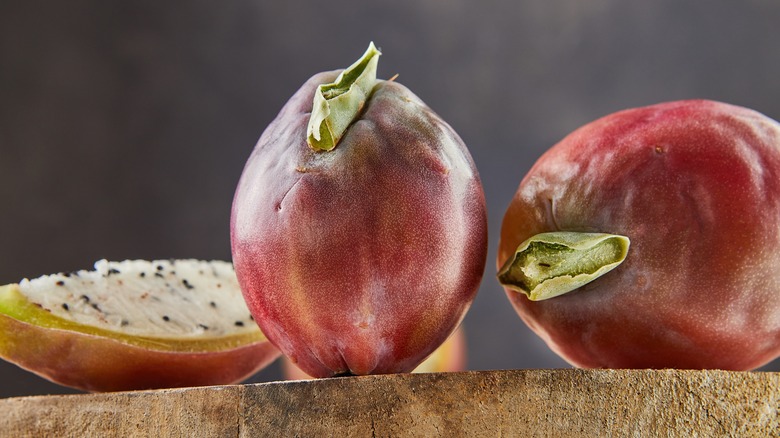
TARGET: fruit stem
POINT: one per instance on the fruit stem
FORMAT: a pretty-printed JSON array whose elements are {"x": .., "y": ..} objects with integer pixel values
[
  {"x": 551, "y": 264},
  {"x": 337, "y": 104}
]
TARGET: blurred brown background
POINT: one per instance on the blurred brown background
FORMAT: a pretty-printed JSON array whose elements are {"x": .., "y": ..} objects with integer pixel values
[{"x": 124, "y": 126}]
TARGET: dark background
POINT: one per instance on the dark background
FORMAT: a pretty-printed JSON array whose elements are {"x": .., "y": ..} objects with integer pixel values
[{"x": 124, "y": 126}]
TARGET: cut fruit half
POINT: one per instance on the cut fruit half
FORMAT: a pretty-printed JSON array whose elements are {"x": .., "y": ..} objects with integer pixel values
[{"x": 133, "y": 325}]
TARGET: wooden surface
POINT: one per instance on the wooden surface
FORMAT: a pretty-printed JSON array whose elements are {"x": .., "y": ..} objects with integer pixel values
[{"x": 476, "y": 403}]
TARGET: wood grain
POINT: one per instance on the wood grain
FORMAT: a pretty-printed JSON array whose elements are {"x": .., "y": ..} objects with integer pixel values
[{"x": 565, "y": 402}]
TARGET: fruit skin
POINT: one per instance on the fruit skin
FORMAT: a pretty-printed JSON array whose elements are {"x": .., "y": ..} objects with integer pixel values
[
  {"x": 361, "y": 260},
  {"x": 695, "y": 185},
  {"x": 98, "y": 364},
  {"x": 449, "y": 357}
]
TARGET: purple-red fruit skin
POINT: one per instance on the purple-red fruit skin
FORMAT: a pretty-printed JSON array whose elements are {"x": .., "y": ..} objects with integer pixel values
[
  {"x": 695, "y": 185},
  {"x": 363, "y": 259}
]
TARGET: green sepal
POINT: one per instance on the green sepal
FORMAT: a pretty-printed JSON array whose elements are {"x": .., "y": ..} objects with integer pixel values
[
  {"x": 337, "y": 104},
  {"x": 551, "y": 264}
]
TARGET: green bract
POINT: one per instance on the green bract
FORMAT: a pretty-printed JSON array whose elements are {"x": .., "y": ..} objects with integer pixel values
[
  {"x": 551, "y": 264},
  {"x": 338, "y": 103}
]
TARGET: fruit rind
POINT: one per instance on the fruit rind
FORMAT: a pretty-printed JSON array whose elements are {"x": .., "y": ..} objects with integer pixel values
[{"x": 97, "y": 364}]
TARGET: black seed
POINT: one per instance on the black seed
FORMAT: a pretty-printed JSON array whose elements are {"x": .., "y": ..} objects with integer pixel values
[
  {"x": 203, "y": 326},
  {"x": 160, "y": 267},
  {"x": 187, "y": 284},
  {"x": 166, "y": 318},
  {"x": 60, "y": 283},
  {"x": 95, "y": 306},
  {"x": 173, "y": 272},
  {"x": 239, "y": 323},
  {"x": 544, "y": 265},
  {"x": 125, "y": 322},
  {"x": 213, "y": 304},
  {"x": 66, "y": 274},
  {"x": 85, "y": 298},
  {"x": 113, "y": 271},
  {"x": 251, "y": 317},
  {"x": 157, "y": 274},
  {"x": 142, "y": 274},
  {"x": 65, "y": 306}
]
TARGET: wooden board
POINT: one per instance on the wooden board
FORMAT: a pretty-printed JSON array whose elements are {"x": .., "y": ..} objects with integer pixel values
[{"x": 559, "y": 403}]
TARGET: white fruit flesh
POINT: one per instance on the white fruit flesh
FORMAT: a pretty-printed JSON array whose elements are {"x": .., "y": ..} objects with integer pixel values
[{"x": 175, "y": 299}]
